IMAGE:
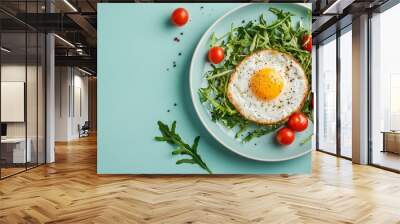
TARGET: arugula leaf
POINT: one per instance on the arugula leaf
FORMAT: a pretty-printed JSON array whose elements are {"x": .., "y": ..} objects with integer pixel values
[
  {"x": 261, "y": 131},
  {"x": 213, "y": 40},
  {"x": 304, "y": 141},
  {"x": 240, "y": 42},
  {"x": 307, "y": 110},
  {"x": 169, "y": 135}
]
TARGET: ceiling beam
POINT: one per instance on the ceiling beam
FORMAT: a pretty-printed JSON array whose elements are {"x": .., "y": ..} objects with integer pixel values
[
  {"x": 86, "y": 26},
  {"x": 337, "y": 7},
  {"x": 48, "y": 22},
  {"x": 320, "y": 22},
  {"x": 82, "y": 61}
]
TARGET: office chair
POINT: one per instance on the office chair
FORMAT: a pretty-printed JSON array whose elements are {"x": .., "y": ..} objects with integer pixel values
[{"x": 84, "y": 130}]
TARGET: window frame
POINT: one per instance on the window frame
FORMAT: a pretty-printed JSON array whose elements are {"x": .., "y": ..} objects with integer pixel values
[
  {"x": 337, "y": 35},
  {"x": 381, "y": 9}
]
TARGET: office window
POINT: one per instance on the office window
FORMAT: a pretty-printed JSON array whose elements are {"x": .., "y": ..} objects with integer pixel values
[
  {"x": 327, "y": 95},
  {"x": 385, "y": 89},
  {"x": 346, "y": 92}
]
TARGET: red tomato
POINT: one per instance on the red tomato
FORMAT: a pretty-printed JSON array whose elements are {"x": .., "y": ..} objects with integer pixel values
[
  {"x": 285, "y": 136},
  {"x": 298, "y": 121},
  {"x": 307, "y": 42},
  {"x": 216, "y": 55},
  {"x": 180, "y": 17}
]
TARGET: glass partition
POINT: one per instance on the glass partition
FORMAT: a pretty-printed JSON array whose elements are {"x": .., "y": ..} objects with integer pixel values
[
  {"x": 32, "y": 95},
  {"x": 346, "y": 93},
  {"x": 327, "y": 96},
  {"x": 41, "y": 107},
  {"x": 14, "y": 153},
  {"x": 23, "y": 89},
  {"x": 385, "y": 89}
]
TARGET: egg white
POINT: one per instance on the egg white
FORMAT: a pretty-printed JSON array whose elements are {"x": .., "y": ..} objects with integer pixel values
[{"x": 291, "y": 98}]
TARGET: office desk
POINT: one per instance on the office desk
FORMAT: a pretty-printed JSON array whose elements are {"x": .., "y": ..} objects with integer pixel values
[
  {"x": 15, "y": 148},
  {"x": 391, "y": 141}
]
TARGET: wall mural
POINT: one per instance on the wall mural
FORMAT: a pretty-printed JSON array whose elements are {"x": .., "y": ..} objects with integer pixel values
[{"x": 204, "y": 88}]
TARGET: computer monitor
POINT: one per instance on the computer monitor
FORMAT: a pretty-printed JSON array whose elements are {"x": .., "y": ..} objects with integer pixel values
[{"x": 3, "y": 129}]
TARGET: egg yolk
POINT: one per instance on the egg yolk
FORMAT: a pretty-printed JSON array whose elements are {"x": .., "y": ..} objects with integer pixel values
[{"x": 266, "y": 84}]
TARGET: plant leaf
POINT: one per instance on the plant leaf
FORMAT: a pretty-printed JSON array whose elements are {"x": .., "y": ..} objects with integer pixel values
[
  {"x": 183, "y": 148},
  {"x": 189, "y": 161},
  {"x": 195, "y": 144}
]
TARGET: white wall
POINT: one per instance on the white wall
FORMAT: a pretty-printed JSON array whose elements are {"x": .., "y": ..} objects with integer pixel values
[
  {"x": 33, "y": 127},
  {"x": 71, "y": 102},
  {"x": 80, "y": 105},
  {"x": 16, "y": 72},
  {"x": 10, "y": 73},
  {"x": 62, "y": 82}
]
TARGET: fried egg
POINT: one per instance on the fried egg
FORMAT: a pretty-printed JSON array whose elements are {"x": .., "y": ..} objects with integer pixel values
[{"x": 268, "y": 86}]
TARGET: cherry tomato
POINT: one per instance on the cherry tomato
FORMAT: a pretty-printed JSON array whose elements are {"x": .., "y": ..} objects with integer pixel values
[
  {"x": 180, "y": 17},
  {"x": 285, "y": 136},
  {"x": 297, "y": 121},
  {"x": 307, "y": 42},
  {"x": 216, "y": 55}
]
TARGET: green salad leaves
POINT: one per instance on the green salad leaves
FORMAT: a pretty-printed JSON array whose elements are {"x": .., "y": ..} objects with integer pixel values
[
  {"x": 169, "y": 135},
  {"x": 240, "y": 42}
]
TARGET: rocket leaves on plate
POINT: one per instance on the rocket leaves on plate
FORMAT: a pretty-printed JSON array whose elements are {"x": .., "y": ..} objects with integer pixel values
[
  {"x": 169, "y": 135},
  {"x": 307, "y": 139},
  {"x": 240, "y": 42}
]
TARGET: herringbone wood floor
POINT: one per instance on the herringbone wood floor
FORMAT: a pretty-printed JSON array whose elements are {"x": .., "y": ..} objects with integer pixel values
[{"x": 70, "y": 191}]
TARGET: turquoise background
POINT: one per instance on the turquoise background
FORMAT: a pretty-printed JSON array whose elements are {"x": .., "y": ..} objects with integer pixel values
[{"x": 135, "y": 48}]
